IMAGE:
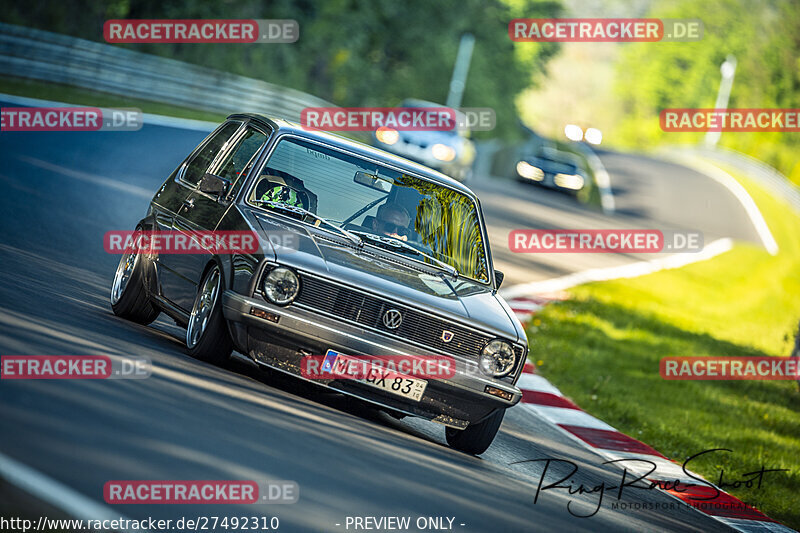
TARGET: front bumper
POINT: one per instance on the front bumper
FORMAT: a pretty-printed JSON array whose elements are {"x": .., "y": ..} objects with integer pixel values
[{"x": 454, "y": 402}]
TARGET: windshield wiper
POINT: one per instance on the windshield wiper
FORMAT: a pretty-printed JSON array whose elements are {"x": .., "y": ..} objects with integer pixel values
[
  {"x": 300, "y": 211},
  {"x": 396, "y": 243},
  {"x": 364, "y": 209}
]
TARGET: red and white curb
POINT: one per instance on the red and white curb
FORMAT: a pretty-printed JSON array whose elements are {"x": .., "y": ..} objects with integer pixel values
[
  {"x": 527, "y": 306},
  {"x": 545, "y": 400}
]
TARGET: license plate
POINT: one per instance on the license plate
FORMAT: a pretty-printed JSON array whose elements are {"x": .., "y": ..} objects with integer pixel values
[{"x": 384, "y": 379}]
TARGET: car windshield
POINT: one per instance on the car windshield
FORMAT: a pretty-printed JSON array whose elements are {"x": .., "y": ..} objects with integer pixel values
[
  {"x": 558, "y": 166},
  {"x": 369, "y": 199}
]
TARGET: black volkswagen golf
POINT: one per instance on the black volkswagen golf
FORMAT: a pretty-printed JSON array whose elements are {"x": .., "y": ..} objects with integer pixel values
[{"x": 360, "y": 254}]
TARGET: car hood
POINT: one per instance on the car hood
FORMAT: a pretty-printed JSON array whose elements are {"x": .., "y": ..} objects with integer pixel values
[{"x": 387, "y": 275}]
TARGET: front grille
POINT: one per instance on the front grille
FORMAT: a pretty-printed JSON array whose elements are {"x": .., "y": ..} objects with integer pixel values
[{"x": 367, "y": 310}]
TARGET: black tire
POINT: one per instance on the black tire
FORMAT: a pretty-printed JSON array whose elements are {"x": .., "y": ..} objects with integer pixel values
[
  {"x": 212, "y": 342},
  {"x": 129, "y": 298},
  {"x": 476, "y": 438}
]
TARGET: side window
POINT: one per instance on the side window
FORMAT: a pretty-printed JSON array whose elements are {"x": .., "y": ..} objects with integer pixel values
[
  {"x": 239, "y": 161},
  {"x": 202, "y": 160}
]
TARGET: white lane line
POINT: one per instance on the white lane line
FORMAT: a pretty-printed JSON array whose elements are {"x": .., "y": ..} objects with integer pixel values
[
  {"x": 524, "y": 306},
  {"x": 755, "y": 526},
  {"x": 55, "y": 493},
  {"x": 523, "y": 317},
  {"x": 729, "y": 182},
  {"x": 536, "y": 383},
  {"x": 569, "y": 417},
  {"x": 631, "y": 270},
  {"x": 148, "y": 118}
]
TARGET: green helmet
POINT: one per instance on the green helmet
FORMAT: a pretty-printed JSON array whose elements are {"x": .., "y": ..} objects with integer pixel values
[{"x": 282, "y": 194}]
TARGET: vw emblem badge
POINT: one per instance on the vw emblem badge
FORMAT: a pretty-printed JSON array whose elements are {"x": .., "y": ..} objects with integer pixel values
[
  {"x": 392, "y": 319},
  {"x": 447, "y": 336}
]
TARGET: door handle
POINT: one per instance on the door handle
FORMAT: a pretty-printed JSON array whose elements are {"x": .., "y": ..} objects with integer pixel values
[{"x": 188, "y": 204}]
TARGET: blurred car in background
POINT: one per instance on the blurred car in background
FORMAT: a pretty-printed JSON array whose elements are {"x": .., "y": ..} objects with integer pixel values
[
  {"x": 554, "y": 169},
  {"x": 450, "y": 152}
]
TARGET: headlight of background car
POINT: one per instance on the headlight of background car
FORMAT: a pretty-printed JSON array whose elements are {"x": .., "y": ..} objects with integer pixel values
[
  {"x": 497, "y": 359},
  {"x": 528, "y": 171},
  {"x": 442, "y": 152},
  {"x": 569, "y": 181},
  {"x": 281, "y": 286},
  {"x": 387, "y": 135}
]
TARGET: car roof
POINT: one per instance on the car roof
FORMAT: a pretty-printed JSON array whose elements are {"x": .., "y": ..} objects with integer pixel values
[{"x": 284, "y": 126}]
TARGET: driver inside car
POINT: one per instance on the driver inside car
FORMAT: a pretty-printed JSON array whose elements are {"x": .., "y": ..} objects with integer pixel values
[{"x": 392, "y": 221}]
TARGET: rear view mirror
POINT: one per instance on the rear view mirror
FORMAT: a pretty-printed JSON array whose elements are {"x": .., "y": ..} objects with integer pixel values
[
  {"x": 373, "y": 181},
  {"x": 214, "y": 185}
]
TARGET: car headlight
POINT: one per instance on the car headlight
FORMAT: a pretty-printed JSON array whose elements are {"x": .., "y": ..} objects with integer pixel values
[
  {"x": 442, "y": 152},
  {"x": 497, "y": 359},
  {"x": 281, "y": 286},
  {"x": 569, "y": 181},
  {"x": 528, "y": 171},
  {"x": 387, "y": 135}
]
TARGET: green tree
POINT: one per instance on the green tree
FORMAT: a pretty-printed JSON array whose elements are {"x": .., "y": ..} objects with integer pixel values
[
  {"x": 763, "y": 35},
  {"x": 350, "y": 52}
]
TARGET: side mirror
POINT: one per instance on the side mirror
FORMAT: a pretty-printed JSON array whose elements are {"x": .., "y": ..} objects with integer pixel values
[
  {"x": 214, "y": 185},
  {"x": 498, "y": 277}
]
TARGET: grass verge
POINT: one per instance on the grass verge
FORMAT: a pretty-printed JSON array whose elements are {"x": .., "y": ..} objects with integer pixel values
[{"x": 602, "y": 348}]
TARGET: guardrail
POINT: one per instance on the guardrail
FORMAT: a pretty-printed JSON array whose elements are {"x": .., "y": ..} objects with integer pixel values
[{"x": 44, "y": 56}]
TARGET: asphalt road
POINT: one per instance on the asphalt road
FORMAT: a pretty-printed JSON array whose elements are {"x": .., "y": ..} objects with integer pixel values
[
  {"x": 648, "y": 193},
  {"x": 190, "y": 420}
]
